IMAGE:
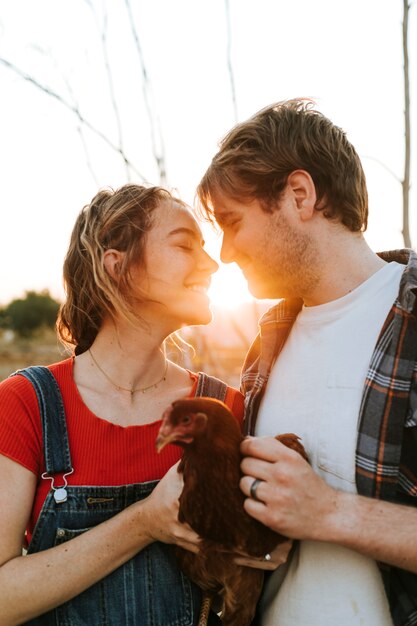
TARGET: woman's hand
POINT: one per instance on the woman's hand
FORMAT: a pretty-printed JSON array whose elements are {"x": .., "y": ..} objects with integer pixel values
[
  {"x": 161, "y": 513},
  {"x": 278, "y": 556}
]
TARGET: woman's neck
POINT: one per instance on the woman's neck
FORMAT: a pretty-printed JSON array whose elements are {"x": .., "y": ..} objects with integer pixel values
[{"x": 129, "y": 357}]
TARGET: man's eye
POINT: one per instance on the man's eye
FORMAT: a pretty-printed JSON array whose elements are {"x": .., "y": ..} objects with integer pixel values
[{"x": 232, "y": 225}]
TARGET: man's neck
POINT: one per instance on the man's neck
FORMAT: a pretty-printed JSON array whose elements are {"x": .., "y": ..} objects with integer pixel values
[{"x": 348, "y": 262}]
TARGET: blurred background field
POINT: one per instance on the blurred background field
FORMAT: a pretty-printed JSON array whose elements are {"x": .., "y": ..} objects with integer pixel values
[
  {"x": 18, "y": 352},
  {"x": 217, "y": 349}
]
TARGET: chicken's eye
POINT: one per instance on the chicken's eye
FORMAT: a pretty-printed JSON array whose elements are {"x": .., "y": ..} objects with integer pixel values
[{"x": 186, "y": 419}]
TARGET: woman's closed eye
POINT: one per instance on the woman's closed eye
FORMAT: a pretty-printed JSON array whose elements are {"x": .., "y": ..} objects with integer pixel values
[{"x": 186, "y": 246}]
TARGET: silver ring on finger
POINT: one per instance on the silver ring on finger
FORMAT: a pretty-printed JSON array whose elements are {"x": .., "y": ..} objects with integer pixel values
[{"x": 254, "y": 487}]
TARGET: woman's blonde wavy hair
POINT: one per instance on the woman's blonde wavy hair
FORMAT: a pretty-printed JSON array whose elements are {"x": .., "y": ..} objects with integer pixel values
[{"x": 117, "y": 219}]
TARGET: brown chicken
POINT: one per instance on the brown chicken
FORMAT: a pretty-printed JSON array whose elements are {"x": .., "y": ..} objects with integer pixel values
[{"x": 212, "y": 504}]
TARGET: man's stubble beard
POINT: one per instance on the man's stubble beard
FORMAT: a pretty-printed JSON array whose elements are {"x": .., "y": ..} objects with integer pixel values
[{"x": 288, "y": 261}]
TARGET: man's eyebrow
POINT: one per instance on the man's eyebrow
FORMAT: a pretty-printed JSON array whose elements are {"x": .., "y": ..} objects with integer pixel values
[{"x": 222, "y": 217}]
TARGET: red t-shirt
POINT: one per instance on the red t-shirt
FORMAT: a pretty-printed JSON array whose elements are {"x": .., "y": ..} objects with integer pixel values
[{"x": 102, "y": 453}]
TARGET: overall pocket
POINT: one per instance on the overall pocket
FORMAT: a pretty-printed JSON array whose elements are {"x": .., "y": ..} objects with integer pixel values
[{"x": 148, "y": 590}]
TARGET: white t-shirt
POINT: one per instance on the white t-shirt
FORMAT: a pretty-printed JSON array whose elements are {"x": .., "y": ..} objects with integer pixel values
[{"x": 315, "y": 390}]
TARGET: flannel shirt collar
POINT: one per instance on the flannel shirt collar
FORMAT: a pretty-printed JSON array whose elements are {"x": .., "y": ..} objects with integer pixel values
[
  {"x": 285, "y": 311},
  {"x": 408, "y": 286}
]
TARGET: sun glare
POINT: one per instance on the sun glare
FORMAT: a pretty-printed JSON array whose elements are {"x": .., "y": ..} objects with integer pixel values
[{"x": 229, "y": 288}]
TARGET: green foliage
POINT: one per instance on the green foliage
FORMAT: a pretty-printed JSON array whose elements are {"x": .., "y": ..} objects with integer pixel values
[
  {"x": 29, "y": 314},
  {"x": 3, "y": 319}
]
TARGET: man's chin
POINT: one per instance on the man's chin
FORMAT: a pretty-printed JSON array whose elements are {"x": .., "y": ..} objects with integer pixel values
[
  {"x": 262, "y": 291},
  {"x": 259, "y": 291}
]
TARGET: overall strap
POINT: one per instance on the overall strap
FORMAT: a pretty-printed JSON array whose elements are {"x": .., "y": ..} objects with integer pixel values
[
  {"x": 210, "y": 387},
  {"x": 54, "y": 427}
]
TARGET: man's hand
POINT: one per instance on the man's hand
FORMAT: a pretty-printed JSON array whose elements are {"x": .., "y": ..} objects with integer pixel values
[
  {"x": 291, "y": 499},
  {"x": 295, "y": 501}
]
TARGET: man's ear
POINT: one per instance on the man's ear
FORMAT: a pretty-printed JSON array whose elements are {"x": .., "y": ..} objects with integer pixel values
[
  {"x": 303, "y": 189},
  {"x": 112, "y": 261}
]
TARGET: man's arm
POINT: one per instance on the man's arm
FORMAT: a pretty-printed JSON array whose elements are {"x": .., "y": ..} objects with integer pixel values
[{"x": 296, "y": 502}]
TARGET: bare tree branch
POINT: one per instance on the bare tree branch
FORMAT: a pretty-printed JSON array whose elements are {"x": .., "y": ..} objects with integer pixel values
[
  {"x": 382, "y": 164},
  {"x": 407, "y": 131},
  {"x": 229, "y": 58},
  {"x": 74, "y": 109},
  {"x": 80, "y": 131},
  {"x": 87, "y": 154},
  {"x": 103, "y": 37},
  {"x": 156, "y": 134}
]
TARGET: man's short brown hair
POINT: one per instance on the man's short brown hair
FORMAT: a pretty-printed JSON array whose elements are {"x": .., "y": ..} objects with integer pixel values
[{"x": 257, "y": 156}]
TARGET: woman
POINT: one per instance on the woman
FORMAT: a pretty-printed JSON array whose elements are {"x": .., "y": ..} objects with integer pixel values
[{"x": 135, "y": 272}]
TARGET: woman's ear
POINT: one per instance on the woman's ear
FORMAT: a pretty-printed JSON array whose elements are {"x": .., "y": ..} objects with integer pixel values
[
  {"x": 112, "y": 261},
  {"x": 304, "y": 193}
]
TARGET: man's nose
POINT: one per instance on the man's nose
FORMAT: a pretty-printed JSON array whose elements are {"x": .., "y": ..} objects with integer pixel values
[{"x": 227, "y": 252}]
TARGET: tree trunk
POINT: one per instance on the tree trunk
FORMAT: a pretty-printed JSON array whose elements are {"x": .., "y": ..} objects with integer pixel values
[{"x": 407, "y": 130}]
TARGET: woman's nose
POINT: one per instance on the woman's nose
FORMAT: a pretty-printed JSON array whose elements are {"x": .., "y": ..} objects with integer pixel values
[{"x": 210, "y": 264}]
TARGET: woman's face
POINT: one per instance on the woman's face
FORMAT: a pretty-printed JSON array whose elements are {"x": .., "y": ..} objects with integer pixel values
[{"x": 173, "y": 280}]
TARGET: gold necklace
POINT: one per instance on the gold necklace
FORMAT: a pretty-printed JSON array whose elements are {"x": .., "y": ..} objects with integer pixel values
[{"x": 135, "y": 389}]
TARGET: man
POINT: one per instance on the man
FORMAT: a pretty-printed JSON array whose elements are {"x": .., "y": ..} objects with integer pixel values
[{"x": 335, "y": 362}]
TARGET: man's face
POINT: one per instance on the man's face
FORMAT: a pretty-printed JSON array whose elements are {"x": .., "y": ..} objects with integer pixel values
[{"x": 274, "y": 250}]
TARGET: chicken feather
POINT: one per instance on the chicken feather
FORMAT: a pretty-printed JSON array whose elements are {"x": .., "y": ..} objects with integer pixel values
[{"x": 212, "y": 504}]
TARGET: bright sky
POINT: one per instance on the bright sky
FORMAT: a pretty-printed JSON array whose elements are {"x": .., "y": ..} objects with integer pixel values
[{"x": 347, "y": 55}]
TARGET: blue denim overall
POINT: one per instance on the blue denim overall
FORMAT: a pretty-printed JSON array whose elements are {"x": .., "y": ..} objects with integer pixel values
[{"x": 148, "y": 590}]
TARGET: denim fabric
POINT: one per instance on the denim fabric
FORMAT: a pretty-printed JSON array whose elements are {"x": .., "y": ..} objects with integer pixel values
[
  {"x": 51, "y": 409},
  {"x": 148, "y": 590}
]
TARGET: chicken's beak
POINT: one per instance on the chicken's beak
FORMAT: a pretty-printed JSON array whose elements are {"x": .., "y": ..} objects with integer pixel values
[
  {"x": 165, "y": 434},
  {"x": 163, "y": 440}
]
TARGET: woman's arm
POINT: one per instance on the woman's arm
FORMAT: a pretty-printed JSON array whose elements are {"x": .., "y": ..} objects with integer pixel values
[
  {"x": 34, "y": 584},
  {"x": 297, "y": 502}
]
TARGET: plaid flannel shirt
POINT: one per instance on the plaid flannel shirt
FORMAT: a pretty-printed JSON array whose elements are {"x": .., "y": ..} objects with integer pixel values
[{"x": 386, "y": 451}]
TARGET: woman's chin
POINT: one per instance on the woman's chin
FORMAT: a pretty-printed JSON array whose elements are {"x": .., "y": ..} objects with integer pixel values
[{"x": 200, "y": 319}]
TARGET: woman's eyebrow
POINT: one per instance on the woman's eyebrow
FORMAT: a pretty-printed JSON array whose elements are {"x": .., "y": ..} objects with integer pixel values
[{"x": 183, "y": 230}]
